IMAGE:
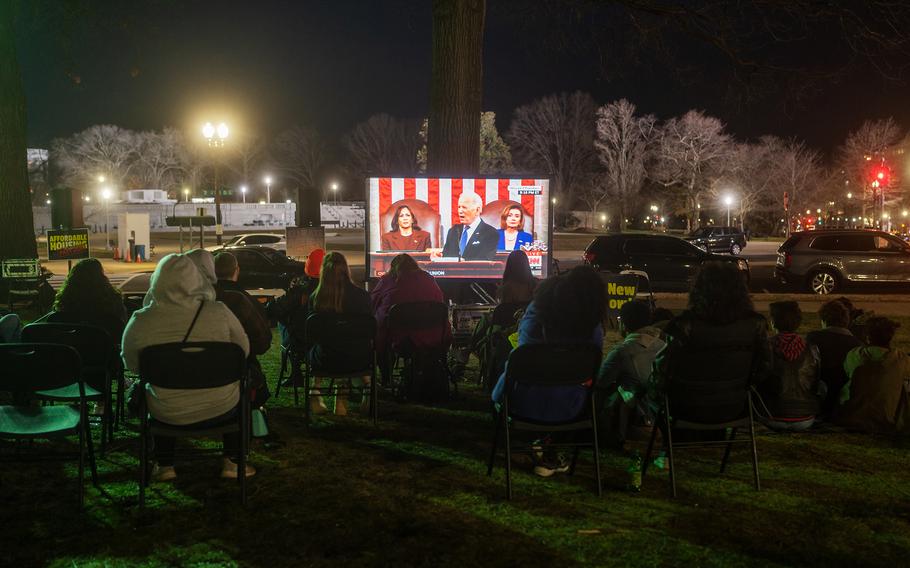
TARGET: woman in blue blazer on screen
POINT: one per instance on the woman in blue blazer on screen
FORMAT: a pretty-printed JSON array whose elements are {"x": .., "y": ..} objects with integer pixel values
[{"x": 511, "y": 237}]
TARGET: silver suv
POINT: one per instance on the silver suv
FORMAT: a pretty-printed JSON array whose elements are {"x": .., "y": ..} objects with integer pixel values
[{"x": 825, "y": 260}]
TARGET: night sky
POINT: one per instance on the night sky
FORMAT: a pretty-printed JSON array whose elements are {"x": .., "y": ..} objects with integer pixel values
[{"x": 265, "y": 66}]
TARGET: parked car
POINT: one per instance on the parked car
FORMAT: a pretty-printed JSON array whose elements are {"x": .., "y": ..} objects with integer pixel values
[
  {"x": 718, "y": 239},
  {"x": 669, "y": 262},
  {"x": 262, "y": 267},
  {"x": 269, "y": 240},
  {"x": 825, "y": 260}
]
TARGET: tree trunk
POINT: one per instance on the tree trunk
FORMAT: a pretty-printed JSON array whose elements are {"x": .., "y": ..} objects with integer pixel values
[
  {"x": 17, "y": 228},
  {"x": 453, "y": 137}
]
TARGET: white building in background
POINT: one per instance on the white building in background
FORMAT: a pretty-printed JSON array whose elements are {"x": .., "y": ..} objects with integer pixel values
[{"x": 146, "y": 196}]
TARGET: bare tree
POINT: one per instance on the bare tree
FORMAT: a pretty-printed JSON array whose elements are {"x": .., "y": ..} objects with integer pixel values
[
  {"x": 245, "y": 155},
  {"x": 871, "y": 145},
  {"x": 623, "y": 144},
  {"x": 798, "y": 172},
  {"x": 300, "y": 156},
  {"x": 692, "y": 151},
  {"x": 556, "y": 134},
  {"x": 592, "y": 190},
  {"x": 751, "y": 180},
  {"x": 102, "y": 150},
  {"x": 383, "y": 144},
  {"x": 159, "y": 159}
]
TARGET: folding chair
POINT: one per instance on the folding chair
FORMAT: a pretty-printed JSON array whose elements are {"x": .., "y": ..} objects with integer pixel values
[
  {"x": 497, "y": 346},
  {"x": 549, "y": 366},
  {"x": 413, "y": 317},
  {"x": 32, "y": 367},
  {"x": 341, "y": 332},
  {"x": 192, "y": 366},
  {"x": 293, "y": 359},
  {"x": 672, "y": 424},
  {"x": 96, "y": 350}
]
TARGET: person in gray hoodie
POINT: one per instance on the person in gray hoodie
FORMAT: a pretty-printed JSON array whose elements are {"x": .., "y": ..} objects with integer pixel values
[
  {"x": 177, "y": 292},
  {"x": 626, "y": 369}
]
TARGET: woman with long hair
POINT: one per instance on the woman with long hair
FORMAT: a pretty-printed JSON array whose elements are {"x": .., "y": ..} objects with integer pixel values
[
  {"x": 336, "y": 293},
  {"x": 518, "y": 282},
  {"x": 406, "y": 233},
  {"x": 511, "y": 222},
  {"x": 88, "y": 297}
]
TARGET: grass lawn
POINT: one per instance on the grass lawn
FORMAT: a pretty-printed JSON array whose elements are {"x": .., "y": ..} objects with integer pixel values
[{"x": 414, "y": 491}]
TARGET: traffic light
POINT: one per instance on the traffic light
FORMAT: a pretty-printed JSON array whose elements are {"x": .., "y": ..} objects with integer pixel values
[{"x": 880, "y": 176}]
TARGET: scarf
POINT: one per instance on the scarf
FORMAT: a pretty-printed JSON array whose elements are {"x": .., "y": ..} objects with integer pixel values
[{"x": 789, "y": 345}]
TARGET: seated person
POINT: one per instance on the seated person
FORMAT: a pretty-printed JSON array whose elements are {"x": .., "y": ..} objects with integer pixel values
[
  {"x": 181, "y": 304},
  {"x": 511, "y": 237},
  {"x": 10, "y": 327},
  {"x": 406, "y": 234},
  {"x": 568, "y": 308},
  {"x": 338, "y": 294},
  {"x": 290, "y": 309},
  {"x": 790, "y": 391},
  {"x": 405, "y": 282},
  {"x": 87, "y": 296},
  {"x": 833, "y": 341},
  {"x": 471, "y": 239},
  {"x": 875, "y": 398},
  {"x": 626, "y": 369},
  {"x": 518, "y": 282},
  {"x": 251, "y": 317},
  {"x": 715, "y": 349}
]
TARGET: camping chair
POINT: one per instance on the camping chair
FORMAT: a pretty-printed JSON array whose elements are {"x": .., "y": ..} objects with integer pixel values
[
  {"x": 671, "y": 424},
  {"x": 412, "y": 317},
  {"x": 340, "y": 332},
  {"x": 96, "y": 350},
  {"x": 192, "y": 366},
  {"x": 32, "y": 367},
  {"x": 23, "y": 279},
  {"x": 496, "y": 346},
  {"x": 549, "y": 366},
  {"x": 293, "y": 358}
]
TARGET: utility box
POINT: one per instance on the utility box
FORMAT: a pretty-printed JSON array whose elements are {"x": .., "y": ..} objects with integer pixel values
[{"x": 133, "y": 232}]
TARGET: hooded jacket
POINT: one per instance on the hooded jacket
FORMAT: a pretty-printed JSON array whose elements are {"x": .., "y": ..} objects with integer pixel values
[
  {"x": 176, "y": 290},
  {"x": 876, "y": 397},
  {"x": 789, "y": 392},
  {"x": 629, "y": 363}
]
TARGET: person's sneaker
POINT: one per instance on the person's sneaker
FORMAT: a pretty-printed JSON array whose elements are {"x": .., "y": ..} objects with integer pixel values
[
  {"x": 548, "y": 467},
  {"x": 230, "y": 468},
  {"x": 163, "y": 473},
  {"x": 317, "y": 406}
]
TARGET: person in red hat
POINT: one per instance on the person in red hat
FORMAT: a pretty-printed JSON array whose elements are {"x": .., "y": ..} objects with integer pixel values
[{"x": 290, "y": 310}]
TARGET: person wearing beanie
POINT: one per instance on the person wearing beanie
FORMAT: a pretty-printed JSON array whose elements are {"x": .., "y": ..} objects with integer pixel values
[
  {"x": 290, "y": 310},
  {"x": 790, "y": 394}
]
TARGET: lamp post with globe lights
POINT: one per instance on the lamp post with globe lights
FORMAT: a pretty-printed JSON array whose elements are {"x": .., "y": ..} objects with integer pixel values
[
  {"x": 243, "y": 192},
  {"x": 106, "y": 197},
  {"x": 215, "y": 136},
  {"x": 335, "y": 192},
  {"x": 268, "y": 188}
]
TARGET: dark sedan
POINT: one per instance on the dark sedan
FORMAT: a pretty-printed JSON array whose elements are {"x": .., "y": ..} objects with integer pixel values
[
  {"x": 670, "y": 262},
  {"x": 263, "y": 267}
]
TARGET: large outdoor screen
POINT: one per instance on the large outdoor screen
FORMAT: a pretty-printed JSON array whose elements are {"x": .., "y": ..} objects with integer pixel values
[{"x": 458, "y": 227}]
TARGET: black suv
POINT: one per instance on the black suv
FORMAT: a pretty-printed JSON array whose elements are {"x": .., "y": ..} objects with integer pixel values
[
  {"x": 262, "y": 267},
  {"x": 825, "y": 260},
  {"x": 718, "y": 239},
  {"x": 670, "y": 262}
]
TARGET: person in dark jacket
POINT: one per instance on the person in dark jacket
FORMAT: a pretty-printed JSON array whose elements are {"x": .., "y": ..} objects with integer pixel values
[
  {"x": 338, "y": 294},
  {"x": 716, "y": 349},
  {"x": 250, "y": 315},
  {"x": 88, "y": 297},
  {"x": 790, "y": 392},
  {"x": 833, "y": 341}
]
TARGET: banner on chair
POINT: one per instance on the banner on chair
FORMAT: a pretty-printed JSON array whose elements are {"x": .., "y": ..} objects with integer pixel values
[
  {"x": 67, "y": 244},
  {"x": 458, "y": 227},
  {"x": 620, "y": 288}
]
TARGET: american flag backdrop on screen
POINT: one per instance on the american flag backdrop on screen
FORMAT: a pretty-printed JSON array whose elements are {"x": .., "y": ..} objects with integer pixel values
[{"x": 442, "y": 195}]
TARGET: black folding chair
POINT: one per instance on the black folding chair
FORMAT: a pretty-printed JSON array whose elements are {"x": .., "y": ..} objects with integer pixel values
[
  {"x": 496, "y": 347},
  {"x": 354, "y": 334},
  {"x": 192, "y": 366},
  {"x": 670, "y": 424},
  {"x": 96, "y": 350},
  {"x": 549, "y": 366},
  {"x": 32, "y": 367},
  {"x": 412, "y": 317},
  {"x": 293, "y": 361}
]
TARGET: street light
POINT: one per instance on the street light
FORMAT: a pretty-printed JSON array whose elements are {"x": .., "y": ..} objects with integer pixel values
[
  {"x": 728, "y": 200},
  {"x": 106, "y": 197},
  {"x": 101, "y": 179},
  {"x": 335, "y": 192},
  {"x": 243, "y": 192},
  {"x": 268, "y": 188},
  {"x": 186, "y": 194},
  {"x": 215, "y": 136}
]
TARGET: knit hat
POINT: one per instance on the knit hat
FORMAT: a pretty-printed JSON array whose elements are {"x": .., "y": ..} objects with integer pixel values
[{"x": 314, "y": 263}]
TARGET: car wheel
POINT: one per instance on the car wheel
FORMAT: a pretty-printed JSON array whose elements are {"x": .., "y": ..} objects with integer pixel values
[
  {"x": 735, "y": 249},
  {"x": 823, "y": 282}
]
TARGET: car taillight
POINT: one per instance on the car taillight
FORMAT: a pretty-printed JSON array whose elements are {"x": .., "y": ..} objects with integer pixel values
[
  {"x": 588, "y": 257},
  {"x": 788, "y": 259}
]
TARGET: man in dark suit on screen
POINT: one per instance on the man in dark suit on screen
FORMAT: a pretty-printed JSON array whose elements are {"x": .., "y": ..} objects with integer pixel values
[{"x": 471, "y": 239}]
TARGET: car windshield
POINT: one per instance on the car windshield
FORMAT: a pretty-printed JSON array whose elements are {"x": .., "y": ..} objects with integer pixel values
[
  {"x": 232, "y": 240},
  {"x": 274, "y": 255},
  {"x": 702, "y": 232}
]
